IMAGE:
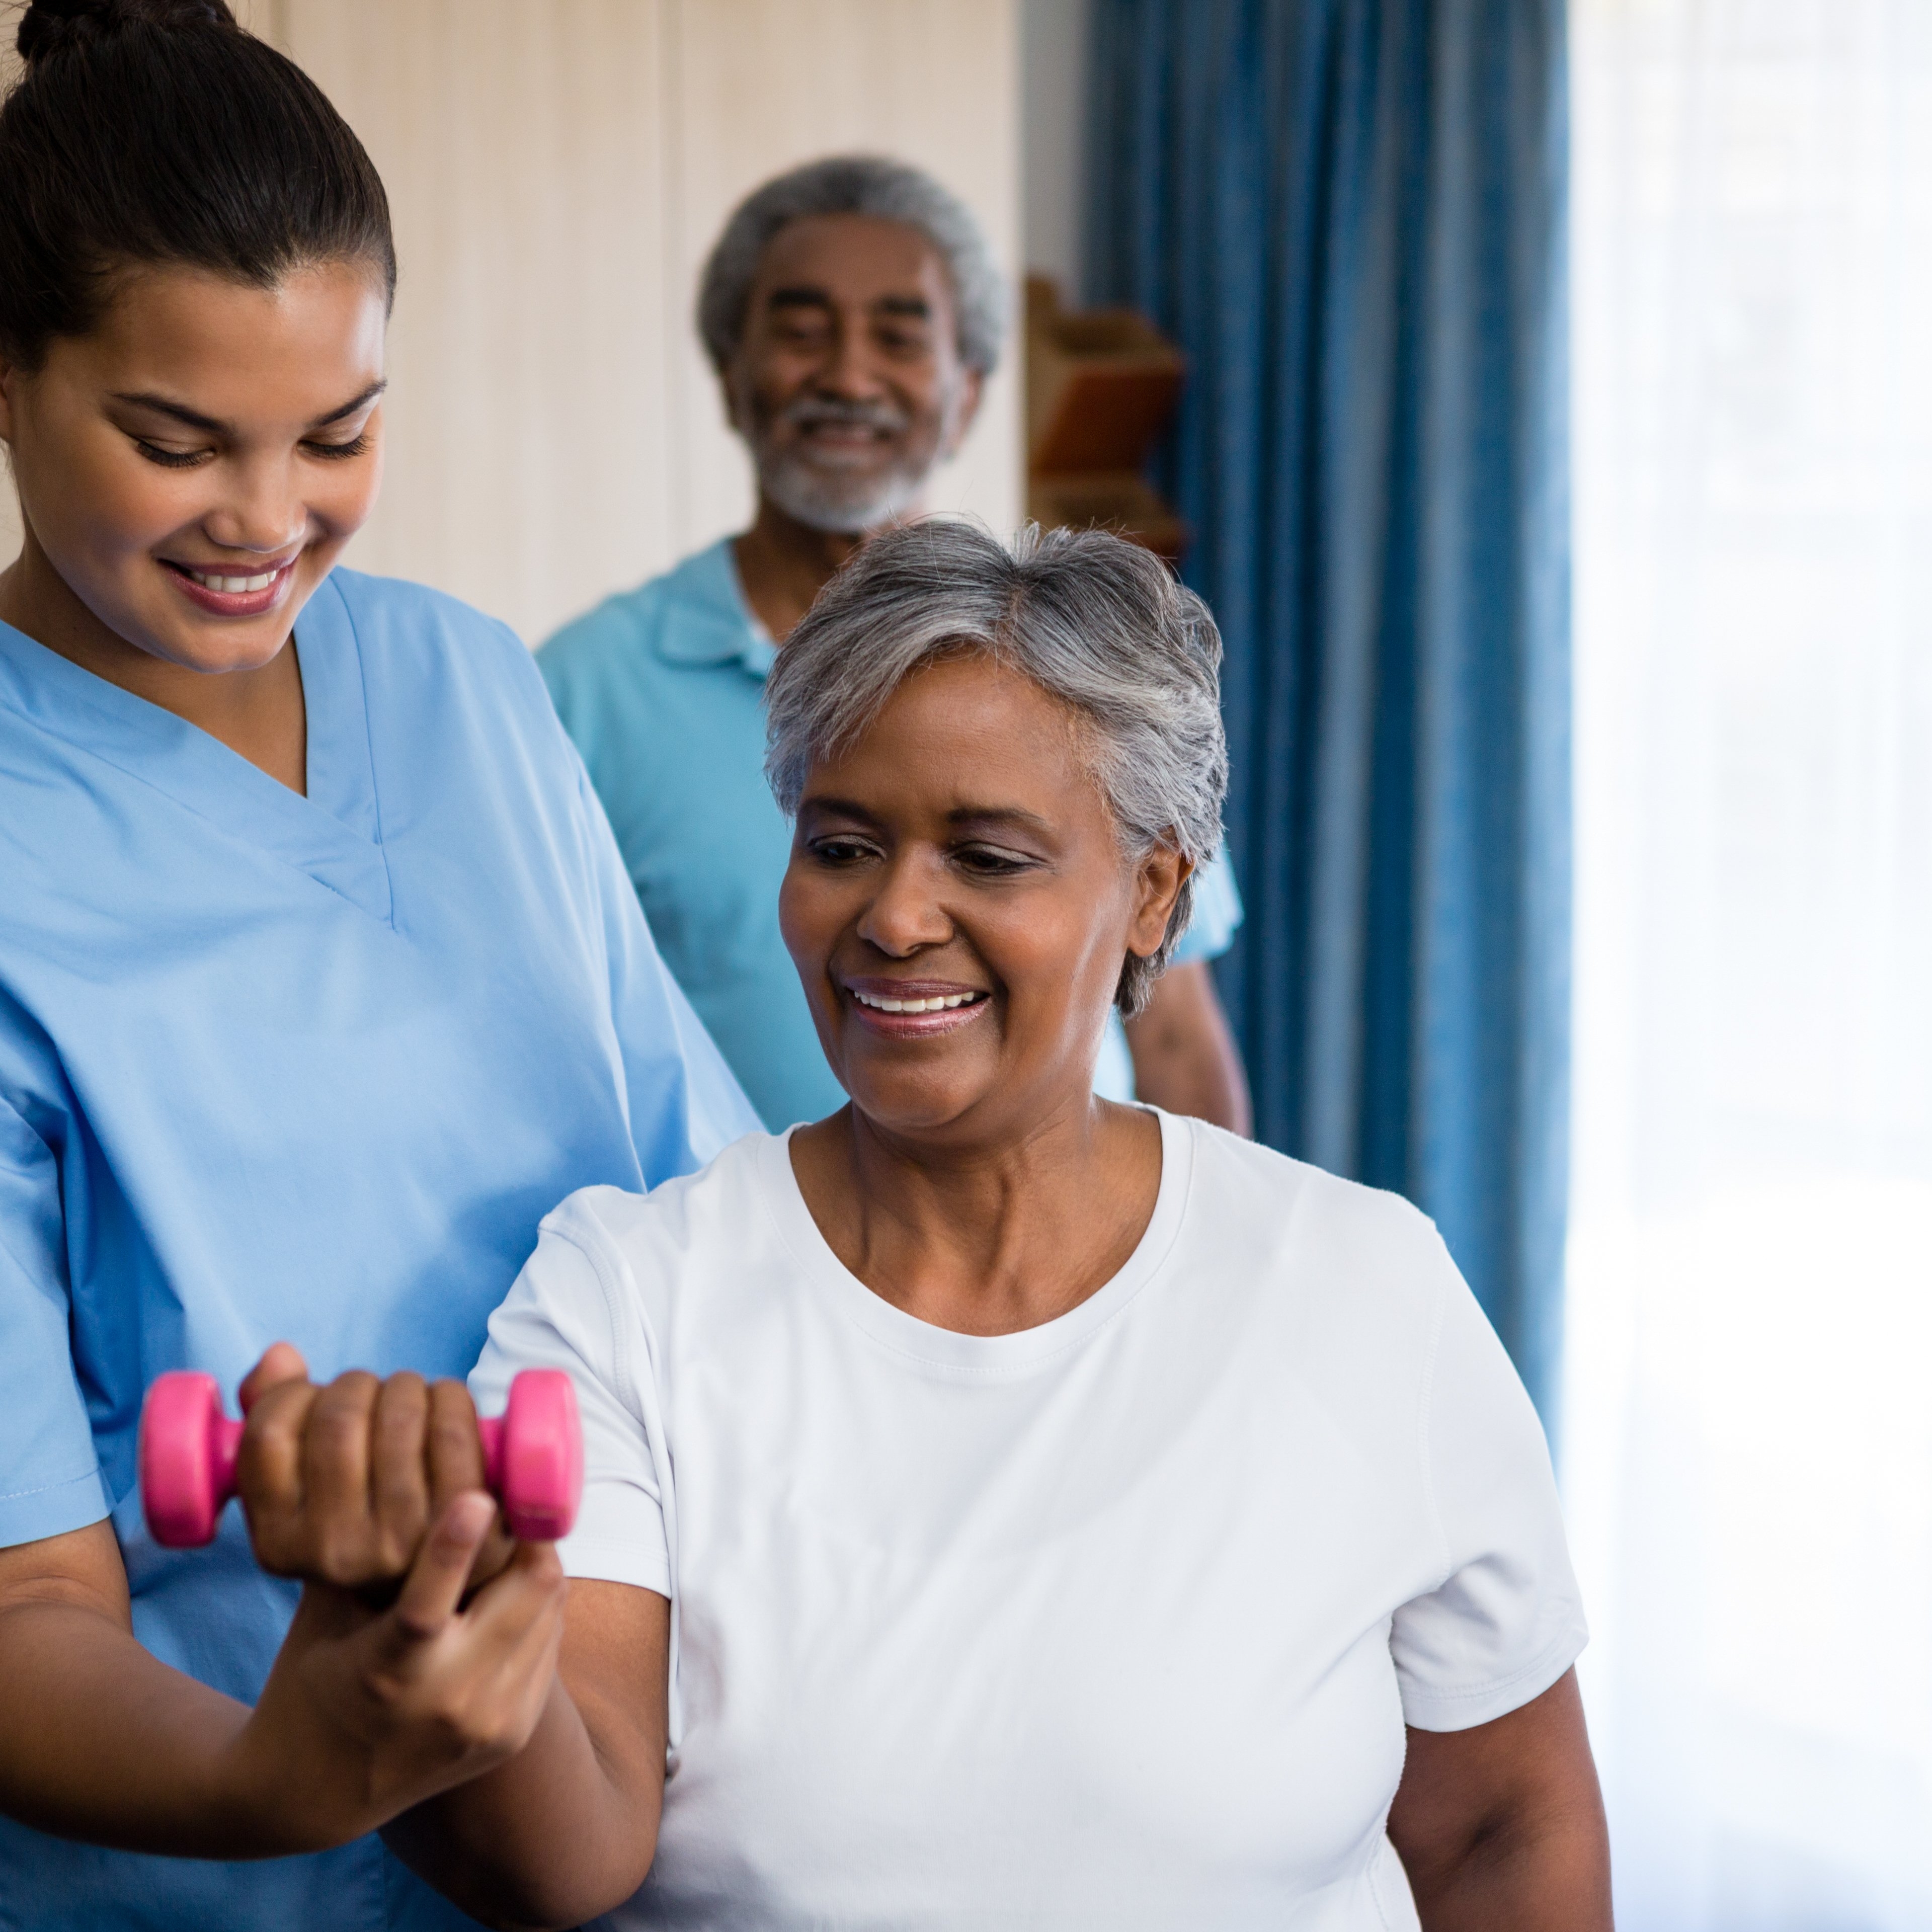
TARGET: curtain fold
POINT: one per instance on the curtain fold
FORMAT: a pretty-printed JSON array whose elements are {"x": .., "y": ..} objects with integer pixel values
[{"x": 1351, "y": 214}]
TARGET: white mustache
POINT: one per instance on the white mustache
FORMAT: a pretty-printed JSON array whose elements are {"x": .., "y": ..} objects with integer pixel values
[{"x": 808, "y": 411}]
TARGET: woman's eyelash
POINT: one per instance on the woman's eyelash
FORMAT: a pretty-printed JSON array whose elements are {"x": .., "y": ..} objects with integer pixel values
[
  {"x": 335, "y": 452},
  {"x": 170, "y": 459},
  {"x": 980, "y": 859},
  {"x": 186, "y": 459},
  {"x": 997, "y": 863},
  {"x": 839, "y": 851}
]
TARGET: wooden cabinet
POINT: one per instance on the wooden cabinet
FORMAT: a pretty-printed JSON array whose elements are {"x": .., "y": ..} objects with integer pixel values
[{"x": 1101, "y": 385}]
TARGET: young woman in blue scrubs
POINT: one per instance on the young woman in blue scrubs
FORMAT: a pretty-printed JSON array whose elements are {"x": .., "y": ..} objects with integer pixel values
[{"x": 320, "y": 978}]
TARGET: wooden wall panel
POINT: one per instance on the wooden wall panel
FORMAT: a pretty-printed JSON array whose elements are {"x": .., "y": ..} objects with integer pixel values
[
  {"x": 9, "y": 522},
  {"x": 9, "y": 503},
  {"x": 521, "y": 141}
]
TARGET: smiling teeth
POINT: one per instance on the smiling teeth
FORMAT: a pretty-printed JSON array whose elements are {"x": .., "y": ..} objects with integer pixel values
[
  {"x": 233, "y": 583},
  {"x": 935, "y": 1006}
]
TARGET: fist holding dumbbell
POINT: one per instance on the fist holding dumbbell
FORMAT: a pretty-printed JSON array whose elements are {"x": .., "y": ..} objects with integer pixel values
[
  {"x": 423, "y": 1650},
  {"x": 341, "y": 1483}
]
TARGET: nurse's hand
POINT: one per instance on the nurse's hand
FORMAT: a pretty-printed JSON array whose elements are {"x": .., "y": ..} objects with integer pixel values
[
  {"x": 341, "y": 1483},
  {"x": 367, "y": 1713}
]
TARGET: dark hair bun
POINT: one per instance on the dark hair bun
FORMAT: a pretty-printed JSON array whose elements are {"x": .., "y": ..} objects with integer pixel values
[
  {"x": 162, "y": 133},
  {"x": 50, "y": 25}
]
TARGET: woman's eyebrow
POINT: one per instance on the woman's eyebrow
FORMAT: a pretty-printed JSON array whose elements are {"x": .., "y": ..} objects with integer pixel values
[
  {"x": 1014, "y": 815},
  {"x": 354, "y": 403},
  {"x": 836, "y": 807},
  {"x": 146, "y": 399}
]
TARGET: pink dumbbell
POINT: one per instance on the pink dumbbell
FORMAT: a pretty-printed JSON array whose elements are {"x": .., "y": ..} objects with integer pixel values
[{"x": 533, "y": 1457}]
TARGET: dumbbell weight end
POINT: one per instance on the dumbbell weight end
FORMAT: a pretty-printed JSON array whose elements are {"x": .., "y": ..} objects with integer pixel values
[
  {"x": 533, "y": 1457},
  {"x": 186, "y": 1452}
]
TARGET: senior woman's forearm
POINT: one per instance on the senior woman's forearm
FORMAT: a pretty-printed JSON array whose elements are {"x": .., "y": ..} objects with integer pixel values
[
  {"x": 549, "y": 1839},
  {"x": 1500, "y": 1828},
  {"x": 1556, "y": 1880},
  {"x": 567, "y": 1828}
]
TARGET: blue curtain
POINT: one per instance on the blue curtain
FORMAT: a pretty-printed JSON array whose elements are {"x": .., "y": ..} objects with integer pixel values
[{"x": 1351, "y": 215}]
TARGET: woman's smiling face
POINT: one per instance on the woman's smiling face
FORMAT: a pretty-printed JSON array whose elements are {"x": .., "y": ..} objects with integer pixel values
[
  {"x": 958, "y": 906},
  {"x": 193, "y": 466}
]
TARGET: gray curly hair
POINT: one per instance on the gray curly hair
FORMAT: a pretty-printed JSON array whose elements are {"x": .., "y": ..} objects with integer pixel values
[
  {"x": 1094, "y": 621},
  {"x": 853, "y": 184}
]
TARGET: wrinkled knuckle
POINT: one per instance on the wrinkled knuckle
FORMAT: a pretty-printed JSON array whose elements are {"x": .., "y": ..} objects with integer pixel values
[
  {"x": 260, "y": 1494},
  {"x": 450, "y": 1402},
  {"x": 453, "y": 1429},
  {"x": 276, "y": 1552},
  {"x": 348, "y": 1399},
  {"x": 417, "y": 1628},
  {"x": 396, "y": 1548},
  {"x": 274, "y": 1405},
  {"x": 343, "y": 1556},
  {"x": 385, "y": 1688},
  {"x": 404, "y": 1407},
  {"x": 334, "y": 1430}
]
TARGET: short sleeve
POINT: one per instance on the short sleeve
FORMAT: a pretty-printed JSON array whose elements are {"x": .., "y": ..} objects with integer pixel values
[
  {"x": 1217, "y": 912},
  {"x": 1506, "y": 1620},
  {"x": 562, "y": 1312},
  {"x": 50, "y": 1482}
]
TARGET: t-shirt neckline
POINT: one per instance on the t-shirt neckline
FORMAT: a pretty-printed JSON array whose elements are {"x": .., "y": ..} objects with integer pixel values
[{"x": 922, "y": 1345}]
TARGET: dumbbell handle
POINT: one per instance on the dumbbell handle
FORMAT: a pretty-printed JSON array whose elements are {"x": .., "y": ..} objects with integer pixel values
[{"x": 533, "y": 1457}]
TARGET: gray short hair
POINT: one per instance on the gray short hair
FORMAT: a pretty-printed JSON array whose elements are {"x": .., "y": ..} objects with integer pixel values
[
  {"x": 1094, "y": 621},
  {"x": 853, "y": 184}
]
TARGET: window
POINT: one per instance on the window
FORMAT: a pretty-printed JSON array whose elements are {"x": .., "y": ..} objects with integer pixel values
[{"x": 1748, "y": 1450}]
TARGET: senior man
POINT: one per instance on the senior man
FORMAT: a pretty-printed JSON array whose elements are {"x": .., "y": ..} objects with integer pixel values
[{"x": 852, "y": 313}]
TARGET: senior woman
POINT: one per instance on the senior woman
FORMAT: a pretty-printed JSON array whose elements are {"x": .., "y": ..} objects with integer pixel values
[{"x": 1005, "y": 1508}]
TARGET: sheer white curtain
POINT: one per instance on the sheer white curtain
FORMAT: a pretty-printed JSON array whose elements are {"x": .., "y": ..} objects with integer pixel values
[{"x": 1748, "y": 1454}]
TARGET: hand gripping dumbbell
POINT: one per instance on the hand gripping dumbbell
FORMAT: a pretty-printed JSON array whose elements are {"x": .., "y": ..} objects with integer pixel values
[{"x": 533, "y": 1457}]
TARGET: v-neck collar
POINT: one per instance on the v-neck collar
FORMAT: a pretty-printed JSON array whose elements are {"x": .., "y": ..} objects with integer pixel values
[{"x": 334, "y": 834}]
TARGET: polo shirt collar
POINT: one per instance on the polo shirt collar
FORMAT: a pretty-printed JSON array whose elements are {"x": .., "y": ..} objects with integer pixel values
[{"x": 708, "y": 622}]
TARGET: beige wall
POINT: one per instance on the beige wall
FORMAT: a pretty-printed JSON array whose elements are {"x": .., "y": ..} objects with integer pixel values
[
  {"x": 9, "y": 522},
  {"x": 9, "y": 504},
  {"x": 559, "y": 169},
  {"x": 1054, "y": 37}
]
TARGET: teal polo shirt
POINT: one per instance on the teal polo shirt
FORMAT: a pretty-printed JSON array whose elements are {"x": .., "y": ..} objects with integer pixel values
[{"x": 662, "y": 689}]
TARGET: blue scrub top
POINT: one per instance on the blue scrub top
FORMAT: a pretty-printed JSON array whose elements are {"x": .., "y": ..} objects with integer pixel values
[
  {"x": 311, "y": 1068},
  {"x": 662, "y": 689}
]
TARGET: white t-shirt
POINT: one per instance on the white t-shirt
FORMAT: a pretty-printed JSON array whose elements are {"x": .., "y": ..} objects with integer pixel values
[{"x": 1114, "y": 1622}]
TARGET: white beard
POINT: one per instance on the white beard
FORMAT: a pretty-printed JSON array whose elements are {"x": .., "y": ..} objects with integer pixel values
[
  {"x": 823, "y": 499},
  {"x": 827, "y": 497}
]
